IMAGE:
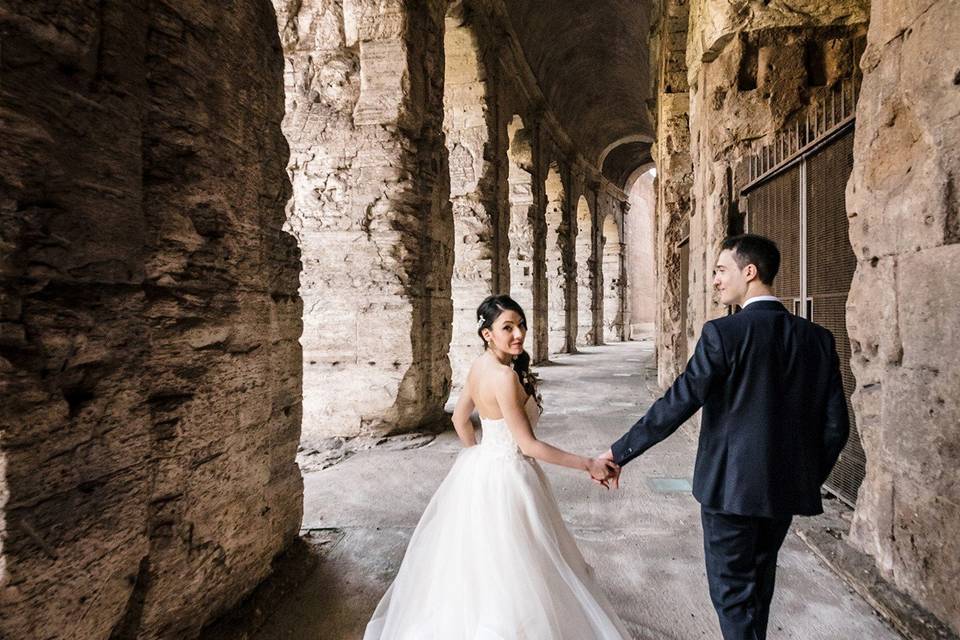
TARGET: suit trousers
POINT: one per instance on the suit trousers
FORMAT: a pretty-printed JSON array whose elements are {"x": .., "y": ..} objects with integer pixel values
[{"x": 741, "y": 558}]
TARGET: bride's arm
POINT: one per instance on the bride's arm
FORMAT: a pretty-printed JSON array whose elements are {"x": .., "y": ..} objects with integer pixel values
[
  {"x": 461, "y": 418},
  {"x": 511, "y": 398}
]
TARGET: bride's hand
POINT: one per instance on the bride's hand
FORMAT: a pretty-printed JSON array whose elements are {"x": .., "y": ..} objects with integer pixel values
[{"x": 602, "y": 470}]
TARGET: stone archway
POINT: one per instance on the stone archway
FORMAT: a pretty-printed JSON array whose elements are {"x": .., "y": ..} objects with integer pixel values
[{"x": 377, "y": 244}]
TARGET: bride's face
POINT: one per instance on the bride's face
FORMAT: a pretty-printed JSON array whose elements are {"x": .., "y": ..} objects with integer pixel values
[{"x": 507, "y": 333}]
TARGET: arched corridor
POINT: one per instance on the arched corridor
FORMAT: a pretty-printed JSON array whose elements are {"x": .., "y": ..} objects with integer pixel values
[{"x": 242, "y": 247}]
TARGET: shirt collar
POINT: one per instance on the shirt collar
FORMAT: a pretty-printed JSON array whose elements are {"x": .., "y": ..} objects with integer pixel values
[{"x": 760, "y": 299}]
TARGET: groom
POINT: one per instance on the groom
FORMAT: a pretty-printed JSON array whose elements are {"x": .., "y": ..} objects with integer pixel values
[{"x": 774, "y": 422}]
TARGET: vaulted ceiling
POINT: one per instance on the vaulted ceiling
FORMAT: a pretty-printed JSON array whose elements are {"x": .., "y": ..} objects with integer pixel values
[{"x": 591, "y": 59}]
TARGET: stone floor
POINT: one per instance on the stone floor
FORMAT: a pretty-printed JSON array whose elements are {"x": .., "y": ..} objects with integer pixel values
[{"x": 644, "y": 540}]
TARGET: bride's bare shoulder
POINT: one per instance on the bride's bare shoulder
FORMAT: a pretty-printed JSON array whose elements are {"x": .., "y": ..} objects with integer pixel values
[{"x": 491, "y": 372}]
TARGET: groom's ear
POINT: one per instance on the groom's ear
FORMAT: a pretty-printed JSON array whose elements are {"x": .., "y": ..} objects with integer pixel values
[{"x": 750, "y": 272}]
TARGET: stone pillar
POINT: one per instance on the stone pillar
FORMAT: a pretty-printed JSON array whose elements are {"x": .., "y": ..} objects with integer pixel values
[
  {"x": 371, "y": 210},
  {"x": 674, "y": 181},
  {"x": 597, "y": 292},
  {"x": 569, "y": 262},
  {"x": 538, "y": 340},
  {"x": 902, "y": 311},
  {"x": 671, "y": 153},
  {"x": 557, "y": 241},
  {"x": 612, "y": 274},
  {"x": 586, "y": 270},
  {"x": 623, "y": 326},
  {"x": 641, "y": 263},
  {"x": 522, "y": 234},
  {"x": 149, "y": 316},
  {"x": 470, "y": 128}
]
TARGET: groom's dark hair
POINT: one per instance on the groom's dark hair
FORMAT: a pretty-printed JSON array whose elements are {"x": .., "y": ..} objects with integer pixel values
[{"x": 761, "y": 252}]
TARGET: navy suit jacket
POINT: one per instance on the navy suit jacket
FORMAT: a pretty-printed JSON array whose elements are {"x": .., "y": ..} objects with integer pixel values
[{"x": 774, "y": 414}]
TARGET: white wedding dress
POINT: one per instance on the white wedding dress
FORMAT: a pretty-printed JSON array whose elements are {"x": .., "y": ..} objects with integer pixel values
[{"x": 491, "y": 558}]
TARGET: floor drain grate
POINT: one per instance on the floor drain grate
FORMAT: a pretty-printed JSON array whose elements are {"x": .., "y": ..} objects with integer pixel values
[{"x": 670, "y": 485}]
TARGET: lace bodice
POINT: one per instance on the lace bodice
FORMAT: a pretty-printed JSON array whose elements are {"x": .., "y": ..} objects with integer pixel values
[{"x": 496, "y": 434}]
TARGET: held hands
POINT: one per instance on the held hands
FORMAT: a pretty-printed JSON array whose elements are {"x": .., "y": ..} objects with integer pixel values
[
  {"x": 603, "y": 470},
  {"x": 615, "y": 479}
]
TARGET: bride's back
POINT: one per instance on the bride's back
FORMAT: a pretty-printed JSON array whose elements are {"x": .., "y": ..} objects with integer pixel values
[{"x": 481, "y": 385}]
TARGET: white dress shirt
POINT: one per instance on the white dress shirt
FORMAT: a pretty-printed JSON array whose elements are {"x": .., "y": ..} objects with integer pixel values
[{"x": 760, "y": 299}]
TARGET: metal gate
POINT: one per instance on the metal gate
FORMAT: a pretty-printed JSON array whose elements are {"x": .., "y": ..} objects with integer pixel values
[{"x": 800, "y": 204}]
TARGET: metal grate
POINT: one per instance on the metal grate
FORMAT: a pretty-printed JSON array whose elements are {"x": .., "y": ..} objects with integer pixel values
[
  {"x": 812, "y": 230},
  {"x": 774, "y": 211},
  {"x": 830, "y": 267},
  {"x": 831, "y": 111}
]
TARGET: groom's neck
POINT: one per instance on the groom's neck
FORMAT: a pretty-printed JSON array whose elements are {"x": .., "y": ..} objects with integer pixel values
[{"x": 755, "y": 290}]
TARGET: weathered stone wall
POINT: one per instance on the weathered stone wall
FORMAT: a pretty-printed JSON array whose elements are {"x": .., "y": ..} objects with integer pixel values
[
  {"x": 371, "y": 210},
  {"x": 640, "y": 239},
  {"x": 149, "y": 316},
  {"x": 902, "y": 313},
  {"x": 671, "y": 152},
  {"x": 749, "y": 76}
]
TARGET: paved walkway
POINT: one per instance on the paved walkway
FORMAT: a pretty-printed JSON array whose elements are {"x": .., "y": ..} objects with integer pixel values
[{"x": 644, "y": 541}]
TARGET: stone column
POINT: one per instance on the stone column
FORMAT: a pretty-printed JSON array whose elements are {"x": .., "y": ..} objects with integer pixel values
[
  {"x": 612, "y": 271},
  {"x": 522, "y": 234},
  {"x": 641, "y": 263},
  {"x": 538, "y": 340},
  {"x": 623, "y": 311},
  {"x": 902, "y": 311},
  {"x": 470, "y": 127},
  {"x": 671, "y": 152},
  {"x": 557, "y": 259},
  {"x": 586, "y": 269},
  {"x": 371, "y": 211},
  {"x": 570, "y": 262},
  {"x": 149, "y": 316},
  {"x": 674, "y": 180}
]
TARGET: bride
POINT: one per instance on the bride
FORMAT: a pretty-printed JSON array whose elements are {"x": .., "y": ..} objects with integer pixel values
[{"x": 491, "y": 558}]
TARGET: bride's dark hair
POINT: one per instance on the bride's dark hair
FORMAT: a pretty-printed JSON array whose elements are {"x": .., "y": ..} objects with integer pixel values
[{"x": 487, "y": 313}]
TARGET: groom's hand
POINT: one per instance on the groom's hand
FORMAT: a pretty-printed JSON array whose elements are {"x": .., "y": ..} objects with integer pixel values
[
  {"x": 601, "y": 470},
  {"x": 615, "y": 478}
]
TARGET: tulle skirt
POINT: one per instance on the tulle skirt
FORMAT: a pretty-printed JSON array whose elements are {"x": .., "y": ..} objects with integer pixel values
[{"x": 491, "y": 559}]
